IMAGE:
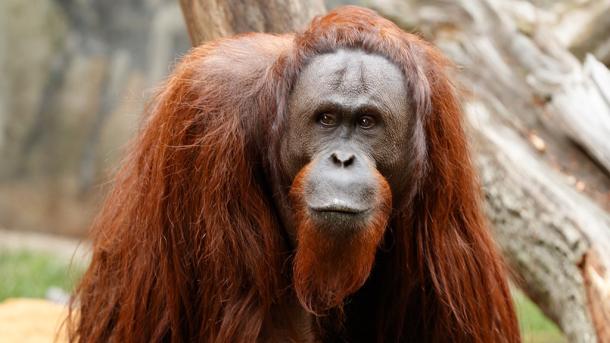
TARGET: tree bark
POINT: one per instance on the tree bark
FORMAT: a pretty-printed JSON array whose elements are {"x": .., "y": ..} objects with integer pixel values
[
  {"x": 210, "y": 19},
  {"x": 539, "y": 123}
]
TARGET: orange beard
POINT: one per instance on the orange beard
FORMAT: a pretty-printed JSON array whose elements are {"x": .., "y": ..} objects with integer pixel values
[{"x": 328, "y": 266}]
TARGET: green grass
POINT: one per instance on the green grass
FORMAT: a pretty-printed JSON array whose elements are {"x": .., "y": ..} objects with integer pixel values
[
  {"x": 535, "y": 327},
  {"x": 31, "y": 274}
]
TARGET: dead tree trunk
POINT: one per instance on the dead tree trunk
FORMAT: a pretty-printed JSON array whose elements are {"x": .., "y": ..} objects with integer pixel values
[
  {"x": 208, "y": 19},
  {"x": 540, "y": 127}
]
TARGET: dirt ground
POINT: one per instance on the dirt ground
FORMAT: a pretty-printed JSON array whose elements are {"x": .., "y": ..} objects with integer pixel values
[{"x": 31, "y": 321}]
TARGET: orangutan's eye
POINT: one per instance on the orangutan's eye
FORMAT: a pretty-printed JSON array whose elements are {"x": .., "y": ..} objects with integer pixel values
[
  {"x": 366, "y": 122},
  {"x": 327, "y": 119}
]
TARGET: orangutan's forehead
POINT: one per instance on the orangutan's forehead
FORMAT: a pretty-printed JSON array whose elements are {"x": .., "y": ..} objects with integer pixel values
[
  {"x": 351, "y": 69},
  {"x": 355, "y": 76}
]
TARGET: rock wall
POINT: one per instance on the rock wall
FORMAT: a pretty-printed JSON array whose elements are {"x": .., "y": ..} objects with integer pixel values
[{"x": 75, "y": 76}]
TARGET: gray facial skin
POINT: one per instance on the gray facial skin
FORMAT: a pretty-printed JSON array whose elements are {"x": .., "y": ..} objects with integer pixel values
[{"x": 348, "y": 114}]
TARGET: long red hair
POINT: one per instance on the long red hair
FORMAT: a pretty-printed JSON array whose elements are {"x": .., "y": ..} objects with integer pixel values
[{"x": 188, "y": 246}]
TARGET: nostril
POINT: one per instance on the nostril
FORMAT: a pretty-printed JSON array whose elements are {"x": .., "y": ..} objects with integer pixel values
[
  {"x": 349, "y": 161},
  {"x": 336, "y": 159},
  {"x": 342, "y": 159}
]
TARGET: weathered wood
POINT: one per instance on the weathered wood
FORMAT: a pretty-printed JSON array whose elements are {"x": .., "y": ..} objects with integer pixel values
[
  {"x": 581, "y": 104},
  {"x": 210, "y": 19},
  {"x": 583, "y": 27},
  {"x": 528, "y": 100},
  {"x": 545, "y": 228}
]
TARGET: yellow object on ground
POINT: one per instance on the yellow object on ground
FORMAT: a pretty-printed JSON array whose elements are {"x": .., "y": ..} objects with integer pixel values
[{"x": 31, "y": 321}]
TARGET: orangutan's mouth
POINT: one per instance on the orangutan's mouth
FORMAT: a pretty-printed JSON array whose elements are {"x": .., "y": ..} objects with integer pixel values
[{"x": 339, "y": 207}]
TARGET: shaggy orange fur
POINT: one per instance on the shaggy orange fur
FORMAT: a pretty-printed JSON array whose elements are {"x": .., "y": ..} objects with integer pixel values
[{"x": 188, "y": 247}]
